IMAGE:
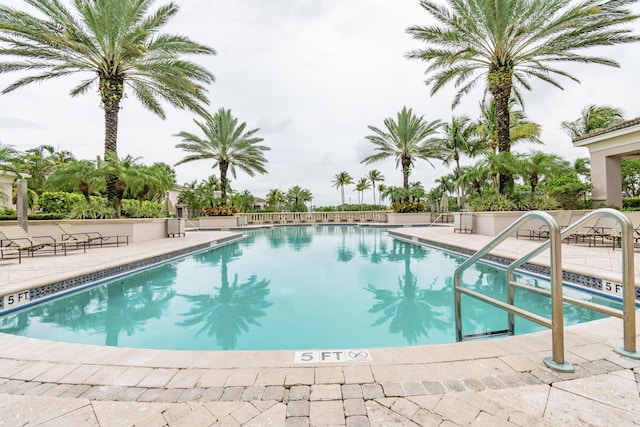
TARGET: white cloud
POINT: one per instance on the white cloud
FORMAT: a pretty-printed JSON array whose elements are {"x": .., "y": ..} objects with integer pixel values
[{"x": 312, "y": 75}]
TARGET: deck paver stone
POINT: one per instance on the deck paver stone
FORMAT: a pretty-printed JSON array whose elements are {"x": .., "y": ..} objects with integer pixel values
[
  {"x": 393, "y": 389},
  {"x": 211, "y": 394},
  {"x": 372, "y": 391},
  {"x": 191, "y": 394},
  {"x": 160, "y": 395},
  {"x": 380, "y": 415},
  {"x": 101, "y": 392},
  {"x": 132, "y": 376},
  {"x": 298, "y": 408},
  {"x": 76, "y": 390},
  {"x": 300, "y": 392},
  {"x": 57, "y": 390},
  {"x": 325, "y": 392},
  {"x": 297, "y": 422},
  {"x": 426, "y": 418},
  {"x": 223, "y": 409},
  {"x": 329, "y": 375},
  {"x": 487, "y": 420},
  {"x": 245, "y": 413},
  {"x": 299, "y": 376},
  {"x": 242, "y": 377},
  {"x": 33, "y": 370},
  {"x": 185, "y": 378},
  {"x": 353, "y": 407},
  {"x": 492, "y": 383},
  {"x": 326, "y": 413},
  {"x": 358, "y": 421},
  {"x": 252, "y": 393},
  {"x": 357, "y": 374},
  {"x": 231, "y": 393},
  {"x": 131, "y": 394},
  {"x": 473, "y": 384},
  {"x": 106, "y": 375},
  {"x": 413, "y": 388},
  {"x": 456, "y": 411},
  {"x": 54, "y": 374},
  {"x": 271, "y": 376},
  {"x": 454, "y": 385},
  {"x": 273, "y": 416},
  {"x": 273, "y": 392},
  {"x": 213, "y": 378},
  {"x": 39, "y": 390},
  {"x": 405, "y": 407},
  {"x": 159, "y": 377},
  {"x": 434, "y": 387},
  {"x": 80, "y": 374},
  {"x": 351, "y": 391}
]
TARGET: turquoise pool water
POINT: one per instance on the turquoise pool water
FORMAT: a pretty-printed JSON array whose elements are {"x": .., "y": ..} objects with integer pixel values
[{"x": 325, "y": 287}]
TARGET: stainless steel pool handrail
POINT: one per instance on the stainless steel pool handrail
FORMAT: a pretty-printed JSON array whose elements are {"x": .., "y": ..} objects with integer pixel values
[
  {"x": 556, "y": 323},
  {"x": 627, "y": 314}
]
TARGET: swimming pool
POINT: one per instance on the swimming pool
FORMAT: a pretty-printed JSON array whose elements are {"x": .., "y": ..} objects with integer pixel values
[{"x": 284, "y": 288}]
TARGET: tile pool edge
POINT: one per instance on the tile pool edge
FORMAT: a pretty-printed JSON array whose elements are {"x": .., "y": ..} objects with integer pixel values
[{"x": 42, "y": 292}]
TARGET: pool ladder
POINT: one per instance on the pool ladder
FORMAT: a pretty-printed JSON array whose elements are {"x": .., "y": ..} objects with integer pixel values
[{"x": 556, "y": 322}]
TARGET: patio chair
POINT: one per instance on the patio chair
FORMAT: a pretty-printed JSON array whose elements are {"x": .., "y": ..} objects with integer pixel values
[
  {"x": 589, "y": 230},
  {"x": 563, "y": 219},
  {"x": 71, "y": 234},
  {"x": 615, "y": 233},
  {"x": 17, "y": 237},
  {"x": 6, "y": 250}
]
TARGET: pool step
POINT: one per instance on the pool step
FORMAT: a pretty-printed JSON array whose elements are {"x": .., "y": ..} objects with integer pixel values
[{"x": 489, "y": 334}]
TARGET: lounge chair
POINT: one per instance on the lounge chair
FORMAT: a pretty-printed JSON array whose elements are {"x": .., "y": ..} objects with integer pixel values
[
  {"x": 6, "y": 250},
  {"x": 17, "y": 237},
  {"x": 563, "y": 219},
  {"x": 589, "y": 230},
  {"x": 71, "y": 234},
  {"x": 615, "y": 233}
]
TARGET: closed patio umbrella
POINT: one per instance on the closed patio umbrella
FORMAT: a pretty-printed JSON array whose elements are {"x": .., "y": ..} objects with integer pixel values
[
  {"x": 444, "y": 202},
  {"x": 168, "y": 207}
]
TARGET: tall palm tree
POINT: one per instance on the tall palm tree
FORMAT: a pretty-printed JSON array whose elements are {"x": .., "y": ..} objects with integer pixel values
[
  {"x": 593, "y": 118},
  {"x": 460, "y": 138},
  {"x": 521, "y": 129},
  {"x": 361, "y": 185},
  {"x": 340, "y": 180},
  {"x": 228, "y": 144},
  {"x": 406, "y": 139},
  {"x": 504, "y": 43},
  {"x": 118, "y": 44},
  {"x": 374, "y": 176}
]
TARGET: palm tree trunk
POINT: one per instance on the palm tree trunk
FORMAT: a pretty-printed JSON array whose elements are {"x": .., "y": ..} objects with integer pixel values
[
  {"x": 224, "y": 166},
  {"x": 406, "y": 169},
  {"x": 111, "y": 92},
  {"x": 500, "y": 84}
]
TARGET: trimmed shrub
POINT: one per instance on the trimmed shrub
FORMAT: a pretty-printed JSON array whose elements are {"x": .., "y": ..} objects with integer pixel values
[
  {"x": 146, "y": 209},
  {"x": 58, "y": 201}
]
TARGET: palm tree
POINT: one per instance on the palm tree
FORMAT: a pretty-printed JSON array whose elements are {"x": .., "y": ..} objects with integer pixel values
[
  {"x": 340, "y": 180},
  {"x": 460, "y": 138},
  {"x": 275, "y": 198},
  {"x": 504, "y": 43},
  {"x": 297, "y": 197},
  {"x": 228, "y": 144},
  {"x": 116, "y": 42},
  {"x": 40, "y": 162},
  {"x": 593, "y": 118},
  {"x": 374, "y": 176},
  {"x": 407, "y": 140},
  {"x": 536, "y": 166},
  {"x": 362, "y": 185},
  {"x": 80, "y": 175},
  {"x": 520, "y": 128}
]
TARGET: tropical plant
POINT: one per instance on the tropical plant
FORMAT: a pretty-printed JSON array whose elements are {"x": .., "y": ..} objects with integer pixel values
[
  {"x": 593, "y": 118},
  {"x": 40, "y": 162},
  {"x": 58, "y": 201},
  {"x": 340, "y": 180},
  {"x": 536, "y": 166},
  {"x": 8, "y": 157},
  {"x": 242, "y": 202},
  {"x": 76, "y": 175},
  {"x": 460, "y": 138},
  {"x": 582, "y": 166},
  {"x": 296, "y": 198},
  {"x": 631, "y": 177},
  {"x": 362, "y": 185},
  {"x": 406, "y": 139},
  {"x": 118, "y": 43},
  {"x": 141, "y": 209},
  {"x": 491, "y": 202},
  {"x": 504, "y": 43},
  {"x": 374, "y": 176},
  {"x": 274, "y": 200},
  {"x": 228, "y": 144},
  {"x": 569, "y": 191},
  {"x": 95, "y": 208}
]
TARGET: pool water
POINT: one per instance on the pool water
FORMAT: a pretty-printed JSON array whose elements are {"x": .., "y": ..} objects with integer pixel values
[{"x": 324, "y": 287}]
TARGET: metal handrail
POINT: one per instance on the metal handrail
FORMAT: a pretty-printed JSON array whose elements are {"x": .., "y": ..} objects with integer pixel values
[
  {"x": 556, "y": 323},
  {"x": 627, "y": 314}
]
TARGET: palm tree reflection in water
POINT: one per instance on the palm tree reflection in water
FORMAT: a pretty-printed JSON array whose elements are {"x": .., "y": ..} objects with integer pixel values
[
  {"x": 229, "y": 312},
  {"x": 413, "y": 311}
]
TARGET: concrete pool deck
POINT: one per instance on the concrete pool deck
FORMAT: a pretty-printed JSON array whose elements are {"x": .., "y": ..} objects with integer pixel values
[{"x": 497, "y": 382}]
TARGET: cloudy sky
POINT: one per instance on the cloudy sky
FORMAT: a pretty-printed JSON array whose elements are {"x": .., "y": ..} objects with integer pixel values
[{"x": 311, "y": 75}]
